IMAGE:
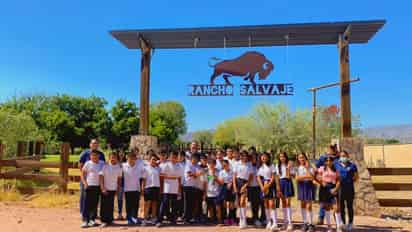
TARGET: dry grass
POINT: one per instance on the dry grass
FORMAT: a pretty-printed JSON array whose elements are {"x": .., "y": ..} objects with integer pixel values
[
  {"x": 41, "y": 200},
  {"x": 10, "y": 196},
  {"x": 53, "y": 200}
]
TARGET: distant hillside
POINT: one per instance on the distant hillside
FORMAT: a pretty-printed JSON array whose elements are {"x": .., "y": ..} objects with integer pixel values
[
  {"x": 188, "y": 137},
  {"x": 402, "y": 133}
]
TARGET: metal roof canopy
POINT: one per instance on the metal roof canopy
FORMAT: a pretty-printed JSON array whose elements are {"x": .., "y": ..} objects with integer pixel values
[{"x": 250, "y": 36}]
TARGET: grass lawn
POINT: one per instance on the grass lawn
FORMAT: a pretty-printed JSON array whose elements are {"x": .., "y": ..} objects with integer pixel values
[{"x": 73, "y": 158}]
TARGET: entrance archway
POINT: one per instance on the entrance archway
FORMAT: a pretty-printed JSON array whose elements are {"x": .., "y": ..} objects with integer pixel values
[{"x": 337, "y": 33}]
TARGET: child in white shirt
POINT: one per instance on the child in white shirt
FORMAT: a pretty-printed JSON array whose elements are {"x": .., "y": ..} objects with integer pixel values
[
  {"x": 132, "y": 173},
  {"x": 171, "y": 174},
  {"x": 151, "y": 186},
  {"x": 90, "y": 179},
  {"x": 214, "y": 187},
  {"x": 110, "y": 183}
]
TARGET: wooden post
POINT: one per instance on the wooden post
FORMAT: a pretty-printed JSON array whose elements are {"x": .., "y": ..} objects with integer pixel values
[
  {"x": 343, "y": 45},
  {"x": 38, "y": 148},
  {"x": 21, "y": 148},
  {"x": 1, "y": 152},
  {"x": 31, "y": 148},
  {"x": 64, "y": 166},
  {"x": 314, "y": 125},
  {"x": 144, "y": 87}
]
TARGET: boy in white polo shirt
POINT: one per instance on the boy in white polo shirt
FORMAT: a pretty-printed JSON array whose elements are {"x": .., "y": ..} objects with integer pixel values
[
  {"x": 192, "y": 173},
  {"x": 90, "y": 180},
  {"x": 110, "y": 182},
  {"x": 151, "y": 186},
  {"x": 132, "y": 173},
  {"x": 171, "y": 181}
]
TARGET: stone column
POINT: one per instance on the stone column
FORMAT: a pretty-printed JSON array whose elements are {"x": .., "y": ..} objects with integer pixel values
[
  {"x": 366, "y": 202},
  {"x": 144, "y": 143}
]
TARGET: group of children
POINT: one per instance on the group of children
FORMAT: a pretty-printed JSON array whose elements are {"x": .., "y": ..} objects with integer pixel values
[{"x": 216, "y": 188}]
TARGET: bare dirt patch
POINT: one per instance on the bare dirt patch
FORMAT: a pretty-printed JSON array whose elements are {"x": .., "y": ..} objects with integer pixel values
[{"x": 15, "y": 217}]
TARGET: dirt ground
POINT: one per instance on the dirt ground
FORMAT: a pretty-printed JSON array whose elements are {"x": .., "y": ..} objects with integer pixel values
[{"x": 15, "y": 218}]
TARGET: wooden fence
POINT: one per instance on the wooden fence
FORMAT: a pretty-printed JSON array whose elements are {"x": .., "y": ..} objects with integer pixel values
[
  {"x": 25, "y": 166},
  {"x": 392, "y": 202}
]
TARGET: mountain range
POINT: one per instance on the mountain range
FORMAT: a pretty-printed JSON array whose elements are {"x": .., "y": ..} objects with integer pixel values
[{"x": 403, "y": 133}]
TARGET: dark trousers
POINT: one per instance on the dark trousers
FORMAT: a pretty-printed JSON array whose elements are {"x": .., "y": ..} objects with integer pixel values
[
  {"x": 82, "y": 198},
  {"x": 254, "y": 198},
  {"x": 132, "y": 204},
  {"x": 120, "y": 201},
  {"x": 107, "y": 206},
  {"x": 189, "y": 195},
  {"x": 199, "y": 204},
  {"x": 168, "y": 207},
  {"x": 346, "y": 196},
  {"x": 181, "y": 206},
  {"x": 92, "y": 195}
]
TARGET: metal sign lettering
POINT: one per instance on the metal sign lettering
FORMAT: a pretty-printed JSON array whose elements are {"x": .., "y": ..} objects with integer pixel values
[{"x": 246, "y": 66}]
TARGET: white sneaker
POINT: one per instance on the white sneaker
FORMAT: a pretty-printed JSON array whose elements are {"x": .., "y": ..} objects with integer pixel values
[
  {"x": 349, "y": 227},
  {"x": 91, "y": 223},
  {"x": 134, "y": 220},
  {"x": 84, "y": 225},
  {"x": 290, "y": 227},
  {"x": 242, "y": 224},
  {"x": 258, "y": 223},
  {"x": 274, "y": 227},
  {"x": 269, "y": 225}
]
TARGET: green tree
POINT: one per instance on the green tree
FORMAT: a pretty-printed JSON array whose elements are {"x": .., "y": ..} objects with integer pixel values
[
  {"x": 91, "y": 119},
  {"x": 17, "y": 126},
  {"x": 276, "y": 127},
  {"x": 203, "y": 136},
  {"x": 125, "y": 118},
  {"x": 65, "y": 118},
  {"x": 229, "y": 133},
  {"x": 167, "y": 121}
]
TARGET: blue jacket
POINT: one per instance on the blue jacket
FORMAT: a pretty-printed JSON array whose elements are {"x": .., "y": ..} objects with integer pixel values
[{"x": 85, "y": 156}]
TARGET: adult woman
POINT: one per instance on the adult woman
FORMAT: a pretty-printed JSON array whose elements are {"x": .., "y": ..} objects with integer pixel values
[{"x": 348, "y": 174}]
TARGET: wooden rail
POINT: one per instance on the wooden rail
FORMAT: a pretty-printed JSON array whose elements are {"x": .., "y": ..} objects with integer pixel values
[
  {"x": 393, "y": 186},
  {"x": 389, "y": 202},
  {"x": 390, "y": 171},
  {"x": 395, "y": 202}
]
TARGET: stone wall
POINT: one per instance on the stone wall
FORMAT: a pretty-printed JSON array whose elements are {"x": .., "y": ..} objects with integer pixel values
[
  {"x": 144, "y": 143},
  {"x": 366, "y": 202}
]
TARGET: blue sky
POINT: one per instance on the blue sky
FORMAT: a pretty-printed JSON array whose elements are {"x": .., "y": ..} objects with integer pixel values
[{"x": 64, "y": 47}]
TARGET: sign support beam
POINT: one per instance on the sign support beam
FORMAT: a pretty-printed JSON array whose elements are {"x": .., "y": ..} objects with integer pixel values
[
  {"x": 344, "y": 72},
  {"x": 144, "y": 86}
]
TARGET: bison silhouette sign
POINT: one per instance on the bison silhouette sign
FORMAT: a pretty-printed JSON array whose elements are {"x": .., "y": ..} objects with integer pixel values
[{"x": 247, "y": 66}]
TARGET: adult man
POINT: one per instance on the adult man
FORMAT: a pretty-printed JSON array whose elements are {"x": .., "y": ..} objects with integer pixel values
[
  {"x": 84, "y": 157},
  {"x": 192, "y": 151}
]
